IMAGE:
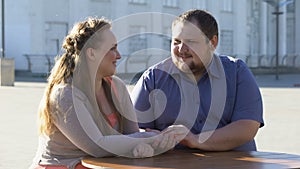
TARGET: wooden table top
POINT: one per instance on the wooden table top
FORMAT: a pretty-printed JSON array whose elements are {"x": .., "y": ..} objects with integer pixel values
[{"x": 185, "y": 159}]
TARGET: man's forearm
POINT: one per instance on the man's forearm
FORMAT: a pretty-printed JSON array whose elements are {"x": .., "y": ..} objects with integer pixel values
[{"x": 225, "y": 138}]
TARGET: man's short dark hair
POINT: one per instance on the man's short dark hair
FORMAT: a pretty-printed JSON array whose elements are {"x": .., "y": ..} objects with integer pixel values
[{"x": 203, "y": 20}]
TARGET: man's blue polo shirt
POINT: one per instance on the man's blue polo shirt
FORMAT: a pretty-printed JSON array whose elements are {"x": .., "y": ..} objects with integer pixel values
[{"x": 164, "y": 96}]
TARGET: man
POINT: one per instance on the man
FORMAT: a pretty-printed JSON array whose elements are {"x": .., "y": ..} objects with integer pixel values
[{"x": 213, "y": 100}]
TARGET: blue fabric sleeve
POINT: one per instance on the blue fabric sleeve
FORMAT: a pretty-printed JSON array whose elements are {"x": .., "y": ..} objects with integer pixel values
[
  {"x": 248, "y": 102},
  {"x": 140, "y": 97}
]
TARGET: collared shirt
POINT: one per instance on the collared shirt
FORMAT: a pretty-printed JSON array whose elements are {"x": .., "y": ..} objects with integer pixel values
[{"x": 227, "y": 92}]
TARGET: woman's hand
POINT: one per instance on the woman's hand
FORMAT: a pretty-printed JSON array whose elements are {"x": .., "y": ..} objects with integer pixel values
[
  {"x": 178, "y": 131},
  {"x": 143, "y": 150},
  {"x": 162, "y": 141},
  {"x": 183, "y": 135},
  {"x": 168, "y": 138}
]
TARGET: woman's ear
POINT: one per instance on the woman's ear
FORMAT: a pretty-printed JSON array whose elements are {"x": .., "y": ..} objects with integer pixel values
[{"x": 89, "y": 52}]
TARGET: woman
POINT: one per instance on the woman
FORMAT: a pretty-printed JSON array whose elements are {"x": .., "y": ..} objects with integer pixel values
[{"x": 85, "y": 109}]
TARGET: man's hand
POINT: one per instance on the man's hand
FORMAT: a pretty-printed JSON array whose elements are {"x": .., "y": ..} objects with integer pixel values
[
  {"x": 225, "y": 138},
  {"x": 183, "y": 135}
]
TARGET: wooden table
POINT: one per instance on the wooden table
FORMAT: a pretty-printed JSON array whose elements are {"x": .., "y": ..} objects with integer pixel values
[{"x": 185, "y": 159}]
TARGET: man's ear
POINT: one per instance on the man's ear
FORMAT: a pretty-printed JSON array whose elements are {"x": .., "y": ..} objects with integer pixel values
[
  {"x": 89, "y": 52},
  {"x": 214, "y": 41}
]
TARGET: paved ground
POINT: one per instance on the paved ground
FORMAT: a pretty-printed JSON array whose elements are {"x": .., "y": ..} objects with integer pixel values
[{"x": 18, "y": 107}]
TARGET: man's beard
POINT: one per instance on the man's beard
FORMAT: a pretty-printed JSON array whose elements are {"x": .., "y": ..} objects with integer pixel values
[{"x": 181, "y": 65}]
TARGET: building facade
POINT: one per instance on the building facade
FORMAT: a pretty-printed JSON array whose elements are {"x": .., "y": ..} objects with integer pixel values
[{"x": 34, "y": 29}]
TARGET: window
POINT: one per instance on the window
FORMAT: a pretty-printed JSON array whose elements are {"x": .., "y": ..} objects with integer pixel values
[
  {"x": 226, "y": 42},
  {"x": 227, "y": 5},
  {"x": 290, "y": 8},
  {"x": 105, "y": 8},
  {"x": 290, "y": 43},
  {"x": 138, "y": 41},
  {"x": 170, "y": 3},
  {"x": 137, "y": 1},
  {"x": 200, "y": 4},
  {"x": 167, "y": 38},
  {"x": 100, "y": 0}
]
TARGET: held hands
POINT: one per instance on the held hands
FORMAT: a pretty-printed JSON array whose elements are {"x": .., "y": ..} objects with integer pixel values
[
  {"x": 143, "y": 150},
  {"x": 183, "y": 135},
  {"x": 164, "y": 141},
  {"x": 168, "y": 138},
  {"x": 179, "y": 131}
]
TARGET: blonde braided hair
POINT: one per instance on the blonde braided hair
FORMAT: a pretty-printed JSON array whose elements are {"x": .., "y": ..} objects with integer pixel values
[{"x": 65, "y": 65}]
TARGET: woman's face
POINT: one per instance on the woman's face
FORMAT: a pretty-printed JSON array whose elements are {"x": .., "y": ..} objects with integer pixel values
[{"x": 106, "y": 54}]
